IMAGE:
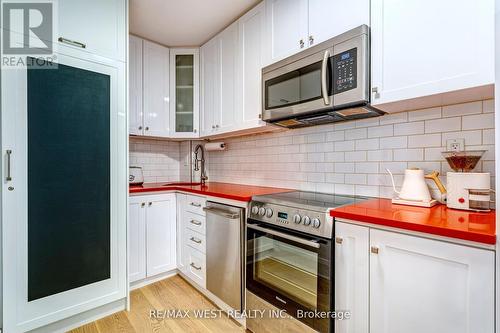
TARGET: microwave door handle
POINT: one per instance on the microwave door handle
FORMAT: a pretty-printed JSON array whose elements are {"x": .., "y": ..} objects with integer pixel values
[
  {"x": 285, "y": 236},
  {"x": 324, "y": 86}
]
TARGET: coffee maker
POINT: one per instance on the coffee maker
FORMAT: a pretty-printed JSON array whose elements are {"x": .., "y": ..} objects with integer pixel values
[{"x": 465, "y": 189}]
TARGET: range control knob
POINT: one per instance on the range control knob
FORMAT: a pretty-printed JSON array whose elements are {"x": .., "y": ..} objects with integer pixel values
[
  {"x": 262, "y": 211},
  {"x": 255, "y": 210},
  {"x": 306, "y": 220},
  {"x": 316, "y": 223},
  {"x": 296, "y": 218},
  {"x": 269, "y": 212}
]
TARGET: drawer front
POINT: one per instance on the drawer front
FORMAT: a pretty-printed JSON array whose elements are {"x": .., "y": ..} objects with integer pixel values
[
  {"x": 195, "y": 204},
  {"x": 195, "y": 240},
  {"x": 195, "y": 222},
  {"x": 196, "y": 266}
]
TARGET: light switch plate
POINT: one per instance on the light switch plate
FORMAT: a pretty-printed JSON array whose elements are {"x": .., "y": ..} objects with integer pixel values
[{"x": 455, "y": 145}]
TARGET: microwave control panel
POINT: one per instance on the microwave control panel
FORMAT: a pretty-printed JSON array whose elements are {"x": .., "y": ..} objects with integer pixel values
[{"x": 345, "y": 71}]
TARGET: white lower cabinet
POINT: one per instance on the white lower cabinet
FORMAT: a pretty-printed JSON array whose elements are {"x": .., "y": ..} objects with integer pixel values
[
  {"x": 152, "y": 235},
  {"x": 415, "y": 284},
  {"x": 352, "y": 277},
  {"x": 191, "y": 244}
]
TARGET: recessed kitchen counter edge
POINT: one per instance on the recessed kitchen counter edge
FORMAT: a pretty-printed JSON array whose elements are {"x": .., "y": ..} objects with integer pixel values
[
  {"x": 438, "y": 220},
  {"x": 238, "y": 192}
]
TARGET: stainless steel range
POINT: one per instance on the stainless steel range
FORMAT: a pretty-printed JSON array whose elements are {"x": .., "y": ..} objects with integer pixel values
[{"x": 290, "y": 253}]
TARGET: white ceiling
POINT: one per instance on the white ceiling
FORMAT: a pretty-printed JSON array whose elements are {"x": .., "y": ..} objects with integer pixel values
[{"x": 184, "y": 22}]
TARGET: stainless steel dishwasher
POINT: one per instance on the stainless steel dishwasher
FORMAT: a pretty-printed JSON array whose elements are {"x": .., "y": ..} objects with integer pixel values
[{"x": 224, "y": 234}]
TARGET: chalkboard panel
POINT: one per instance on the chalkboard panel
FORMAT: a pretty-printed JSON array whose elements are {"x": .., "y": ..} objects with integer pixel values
[{"x": 68, "y": 179}]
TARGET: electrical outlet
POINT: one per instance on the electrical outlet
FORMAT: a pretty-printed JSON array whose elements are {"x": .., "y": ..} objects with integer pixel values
[{"x": 455, "y": 145}]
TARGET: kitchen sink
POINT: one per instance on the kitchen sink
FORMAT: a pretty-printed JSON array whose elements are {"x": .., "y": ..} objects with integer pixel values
[{"x": 181, "y": 184}]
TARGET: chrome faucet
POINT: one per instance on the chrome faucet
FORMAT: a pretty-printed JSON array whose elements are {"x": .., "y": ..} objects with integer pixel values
[{"x": 200, "y": 163}]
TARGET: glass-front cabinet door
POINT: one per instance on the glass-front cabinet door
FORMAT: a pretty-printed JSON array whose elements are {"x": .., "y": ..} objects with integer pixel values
[{"x": 184, "y": 95}]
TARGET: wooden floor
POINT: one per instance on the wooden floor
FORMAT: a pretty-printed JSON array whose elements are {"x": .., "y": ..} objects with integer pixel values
[{"x": 172, "y": 293}]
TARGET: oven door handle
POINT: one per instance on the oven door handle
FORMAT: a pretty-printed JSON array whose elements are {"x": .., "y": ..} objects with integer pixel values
[
  {"x": 324, "y": 86},
  {"x": 285, "y": 236}
]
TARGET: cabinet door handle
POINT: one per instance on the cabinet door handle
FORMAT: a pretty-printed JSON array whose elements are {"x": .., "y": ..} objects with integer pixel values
[
  {"x": 143, "y": 204},
  {"x": 140, "y": 128},
  {"x": 339, "y": 240},
  {"x": 195, "y": 267},
  {"x": 195, "y": 222},
  {"x": 71, "y": 42},
  {"x": 150, "y": 204},
  {"x": 375, "y": 90},
  {"x": 194, "y": 204},
  {"x": 9, "y": 176},
  {"x": 213, "y": 126},
  {"x": 301, "y": 43},
  {"x": 194, "y": 130},
  {"x": 196, "y": 240},
  {"x": 147, "y": 128},
  {"x": 374, "y": 249},
  {"x": 311, "y": 40}
]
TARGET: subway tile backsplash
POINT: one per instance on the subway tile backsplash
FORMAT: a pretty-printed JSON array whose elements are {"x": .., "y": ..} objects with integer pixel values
[
  {"x": 351, "y": 157},
  {"x": 159, "y": 159}
]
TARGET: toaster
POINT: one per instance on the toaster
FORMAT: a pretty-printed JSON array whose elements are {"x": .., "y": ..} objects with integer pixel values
[{"x": 135, "y": 175}]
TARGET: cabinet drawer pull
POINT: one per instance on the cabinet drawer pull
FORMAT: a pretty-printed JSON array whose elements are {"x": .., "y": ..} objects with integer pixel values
[
  {"x": 196, "y": 240},
  {"x": 198, "y": 268},
  {"x": 195, "y": 204},
  {"x": 374, "y": 250},
  {"x": 339, "y": 240},
  {"x": 71, "y": 42},
  {"x": 195, "y": 222}
]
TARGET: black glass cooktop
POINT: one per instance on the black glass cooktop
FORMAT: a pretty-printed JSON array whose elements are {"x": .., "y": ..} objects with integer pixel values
[{"x": 310, "y": 200}]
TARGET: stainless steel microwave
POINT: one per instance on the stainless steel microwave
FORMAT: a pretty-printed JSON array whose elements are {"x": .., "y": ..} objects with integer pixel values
[{"x": 329, "y": 82}]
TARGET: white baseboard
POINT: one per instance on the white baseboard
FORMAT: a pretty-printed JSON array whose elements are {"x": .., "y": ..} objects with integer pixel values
[
  {"x": 83, "y": 318},
  {"x": 153, "y": 279}
]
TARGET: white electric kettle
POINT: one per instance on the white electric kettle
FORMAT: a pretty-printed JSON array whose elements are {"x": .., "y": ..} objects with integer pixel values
[{"x": 414, "y": 190}]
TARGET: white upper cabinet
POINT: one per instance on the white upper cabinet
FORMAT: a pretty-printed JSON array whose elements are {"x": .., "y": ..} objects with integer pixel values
[
  {"x": 253, "y": 54},
  {"x": 184, "y": 93},
  {"x": 294, "y": 25},
  {"x": 225, "y": 118},
  {"x": 209, "y": 54},
  {"x": 136, "y": 123},
  {"x": 156, "y": 90},
  {"x": 424, "y": 47},
  {"x": 286, "y": 26},
  {"x": 329, "y": 18},
  {"x": 422, "y": 285},
  {"x": 95, "y": 26}
]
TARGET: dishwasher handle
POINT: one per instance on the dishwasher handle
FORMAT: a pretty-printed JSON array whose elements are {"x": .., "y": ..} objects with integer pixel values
[{"x": 222, "y": 212}]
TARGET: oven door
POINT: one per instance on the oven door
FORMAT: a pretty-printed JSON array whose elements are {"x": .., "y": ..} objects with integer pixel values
[
  {"x": 291, "y": 271},
  {"x": 298, "y": 87}
]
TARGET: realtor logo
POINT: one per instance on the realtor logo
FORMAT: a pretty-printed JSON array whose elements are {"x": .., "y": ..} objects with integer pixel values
[{"x": 27, "y": 30}]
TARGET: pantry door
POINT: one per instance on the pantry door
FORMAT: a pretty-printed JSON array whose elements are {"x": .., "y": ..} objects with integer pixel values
[{"x": 64, "y": 190}]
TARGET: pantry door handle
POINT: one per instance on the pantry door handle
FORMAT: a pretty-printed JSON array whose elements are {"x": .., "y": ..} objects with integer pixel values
[{"x": 9, "y": 177}]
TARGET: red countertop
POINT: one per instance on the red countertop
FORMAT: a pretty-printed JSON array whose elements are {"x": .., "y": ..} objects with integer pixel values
[
  {"x": 438, "y": 220},
  {"x": 221, "y": 190}
]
